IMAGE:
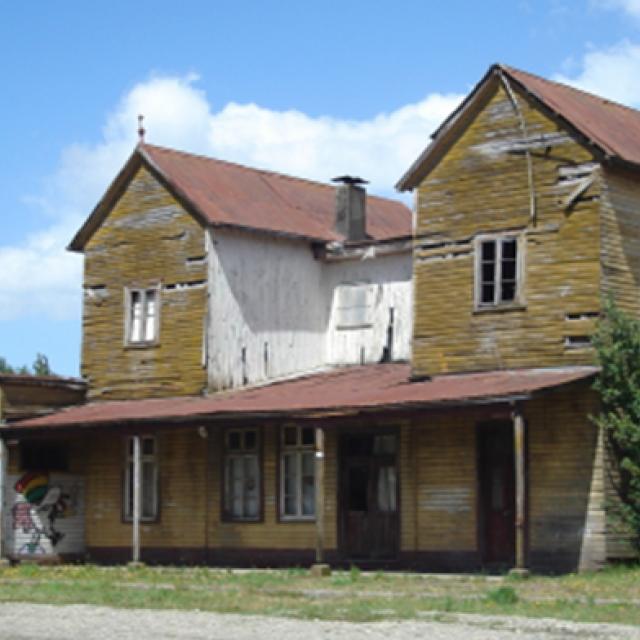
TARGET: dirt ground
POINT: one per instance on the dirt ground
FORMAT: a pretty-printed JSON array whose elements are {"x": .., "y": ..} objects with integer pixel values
[{"x": 83, "y": 622}]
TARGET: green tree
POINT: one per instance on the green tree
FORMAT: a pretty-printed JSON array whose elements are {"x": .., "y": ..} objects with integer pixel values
[
  {"x": 41, "y": 366},
  {"x": 617, "y": 343}
]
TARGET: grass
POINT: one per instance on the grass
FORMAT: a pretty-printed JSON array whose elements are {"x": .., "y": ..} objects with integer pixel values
[{"x": 612, "y": 595}]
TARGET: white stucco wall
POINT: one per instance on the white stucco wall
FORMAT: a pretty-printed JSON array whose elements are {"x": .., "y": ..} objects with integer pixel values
[{"x": 270, "y": 299}]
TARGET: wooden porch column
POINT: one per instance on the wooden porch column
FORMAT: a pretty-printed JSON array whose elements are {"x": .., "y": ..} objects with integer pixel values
[
  {"x": 136, "y": 499},
  {"x": 3, "y": 482},
  {"x": 519, "y": 453},
  {"x": 319, "y": 568}
]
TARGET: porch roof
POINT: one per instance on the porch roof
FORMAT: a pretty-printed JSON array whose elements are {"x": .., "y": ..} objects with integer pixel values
[{"x": 339, "y": 392}]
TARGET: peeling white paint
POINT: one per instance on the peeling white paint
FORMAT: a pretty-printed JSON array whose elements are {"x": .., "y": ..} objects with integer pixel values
[{"x": 272, "y": 308}]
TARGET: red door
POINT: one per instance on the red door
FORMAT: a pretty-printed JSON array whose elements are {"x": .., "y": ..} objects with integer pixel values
[{"x": 497, "y": 493}]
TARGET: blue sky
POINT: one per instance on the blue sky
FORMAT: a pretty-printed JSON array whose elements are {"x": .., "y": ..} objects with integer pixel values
[{"x": 313, "y": 89}]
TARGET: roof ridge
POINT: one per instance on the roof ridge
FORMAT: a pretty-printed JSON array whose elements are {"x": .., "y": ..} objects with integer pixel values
[
  {"x": 564, "y": 85},
  {"x": 270, "y": 172}
]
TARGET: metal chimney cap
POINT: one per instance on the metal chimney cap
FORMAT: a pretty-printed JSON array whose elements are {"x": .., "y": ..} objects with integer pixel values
[{"x": 350, "y": 180}]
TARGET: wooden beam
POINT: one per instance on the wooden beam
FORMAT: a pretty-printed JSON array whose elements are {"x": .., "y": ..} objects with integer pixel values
[
  {"x": 319, "y": 495},
  {"x": 4, "y": 461},
  {"x": 136, "y": 499},
  {"x": 519, "y": 453}
]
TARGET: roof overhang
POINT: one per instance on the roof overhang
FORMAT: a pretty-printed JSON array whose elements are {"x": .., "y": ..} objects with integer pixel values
[{"x": 337, "y": 394}]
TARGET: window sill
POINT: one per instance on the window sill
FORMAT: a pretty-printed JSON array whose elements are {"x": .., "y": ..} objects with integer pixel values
[
  {"x": 144, "y": 521},
  {"x": 141, "y": 345},
  {"x": 299, "y": 519},
  {"x": 230, "y": 520},
  {"x": 500, "y": 308},
  {"x": 354, "y": 327}
]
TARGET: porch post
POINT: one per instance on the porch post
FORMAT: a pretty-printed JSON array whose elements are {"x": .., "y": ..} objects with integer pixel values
[
  {"x": 319, "y": 568},
  {"x": 3, "y": 481},
  {"x": 136, "y": 499},
  {"x": 518, "y": 446}
]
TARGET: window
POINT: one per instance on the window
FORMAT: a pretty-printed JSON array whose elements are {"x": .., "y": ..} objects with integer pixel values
[
  {"x": 142, "y": 326},
  {"x": 297, "y": 471},
  {"x": 242, "y": 475},
  {"x": 354, "y": 306},
  {"x": 148, "y": 479},
  {"x": 497, "y": 271}
]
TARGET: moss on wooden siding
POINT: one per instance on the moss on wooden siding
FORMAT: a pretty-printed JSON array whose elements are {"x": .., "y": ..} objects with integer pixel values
[
  {"x": 481, "y": 186},
  {"x": 147, "y": 240},
  {"x": 565, "y": 489},
  {"x": 620, "y": 250}
]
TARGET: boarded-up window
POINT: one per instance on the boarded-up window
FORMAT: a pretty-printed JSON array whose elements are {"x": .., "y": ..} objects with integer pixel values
[
  {"x": 148, "y": 479},
  {"x": 354, "y": 306},
  {"x": 497, "y": 271},
  {"x": 242, "y": 475},
  {"x": 297, "y": 464},
  {"x": 142, "y": 322}
]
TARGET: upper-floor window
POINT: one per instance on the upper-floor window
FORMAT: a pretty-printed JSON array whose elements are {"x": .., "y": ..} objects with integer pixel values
[
  {"x": 497, "y": 271},
  {"x": 354, "y": 306},
  {"x": 143, "y": 318}
]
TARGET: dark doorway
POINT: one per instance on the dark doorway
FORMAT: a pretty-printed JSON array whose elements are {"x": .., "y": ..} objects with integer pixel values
[
  {"x": 369, "y": 491},
  {"x": 497, "y": 494}
]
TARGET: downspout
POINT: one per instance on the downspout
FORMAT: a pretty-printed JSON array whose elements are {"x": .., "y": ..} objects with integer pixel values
[{"x": 527, "y": 152}]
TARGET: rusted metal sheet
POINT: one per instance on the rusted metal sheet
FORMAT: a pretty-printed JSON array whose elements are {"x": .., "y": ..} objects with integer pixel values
[
  {"x": 226, "y": 194},
  {"x": 612, "y": 126},
  {"x": 373, "y": 386},
  {"x": 609, "y": 128}
]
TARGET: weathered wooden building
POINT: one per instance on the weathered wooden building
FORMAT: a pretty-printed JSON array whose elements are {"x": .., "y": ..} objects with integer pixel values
[{"x": 245, "y": 332}]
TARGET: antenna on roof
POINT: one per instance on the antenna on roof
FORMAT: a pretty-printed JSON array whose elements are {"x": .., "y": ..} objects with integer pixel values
[{"x": 141, "y": 129}]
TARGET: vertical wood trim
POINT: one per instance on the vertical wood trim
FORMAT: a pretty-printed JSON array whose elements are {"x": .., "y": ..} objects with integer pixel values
[
  {"x": 320, "y": 501},
  {"x": 136, "y": 498},
  {"x": 518, "y": 446},
  {"x": 3, "y": 476}
]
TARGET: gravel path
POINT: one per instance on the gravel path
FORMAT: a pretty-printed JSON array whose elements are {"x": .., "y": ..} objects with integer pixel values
[{"x": 83, "y": 622}]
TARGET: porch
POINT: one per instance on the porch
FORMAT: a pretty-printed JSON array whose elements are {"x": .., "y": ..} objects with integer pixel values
[{"x": 491, "y": 482}]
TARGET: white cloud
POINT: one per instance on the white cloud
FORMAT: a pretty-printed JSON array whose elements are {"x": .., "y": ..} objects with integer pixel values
[
  {"x": 631, "y": 7},
  {"x": 612, "y": 72},
  {"x": 40, "y": 277}
]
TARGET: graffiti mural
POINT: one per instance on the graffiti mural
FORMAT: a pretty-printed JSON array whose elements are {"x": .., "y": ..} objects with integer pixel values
[{"x": 47, "y": 514}]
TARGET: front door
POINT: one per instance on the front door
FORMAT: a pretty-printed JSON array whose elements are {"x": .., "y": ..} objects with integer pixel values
[
  {"x": 369, "y": 496},
  {"x": 497, "y": 493}
]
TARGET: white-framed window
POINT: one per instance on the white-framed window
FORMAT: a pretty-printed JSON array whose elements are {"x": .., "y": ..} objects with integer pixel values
[
  {"x": 242, "y": 475},
  {"x": 297, "y": 472},
  {"x": 148, "y": 479},
  {"x": 498, "y": 271},
  {"x": 142, "y": 323},
  {"x": 354, "y": 306}
]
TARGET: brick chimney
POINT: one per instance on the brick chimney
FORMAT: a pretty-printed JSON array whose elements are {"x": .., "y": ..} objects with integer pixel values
[{"x": 351, "y": 208}]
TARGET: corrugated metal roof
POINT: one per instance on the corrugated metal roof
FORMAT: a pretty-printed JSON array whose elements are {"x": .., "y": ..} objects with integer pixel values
[
  {"x": 612, "y": 126},
  {"x": 613, "y": 129},
  {"x": 228, "y": 194},
  {"x": 339, "y": 391}
]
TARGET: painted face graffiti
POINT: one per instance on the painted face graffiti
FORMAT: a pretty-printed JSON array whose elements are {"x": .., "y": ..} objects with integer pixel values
[{"x": 43, "y": 505}]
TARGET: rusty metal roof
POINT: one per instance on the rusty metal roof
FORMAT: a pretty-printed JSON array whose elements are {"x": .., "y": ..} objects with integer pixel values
[
  {"x": 223, "y": 193},
  {"x": 611, "y": 129},
  {"x": 342, "y": 391},
  {"x": 614, "y": 128}
]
